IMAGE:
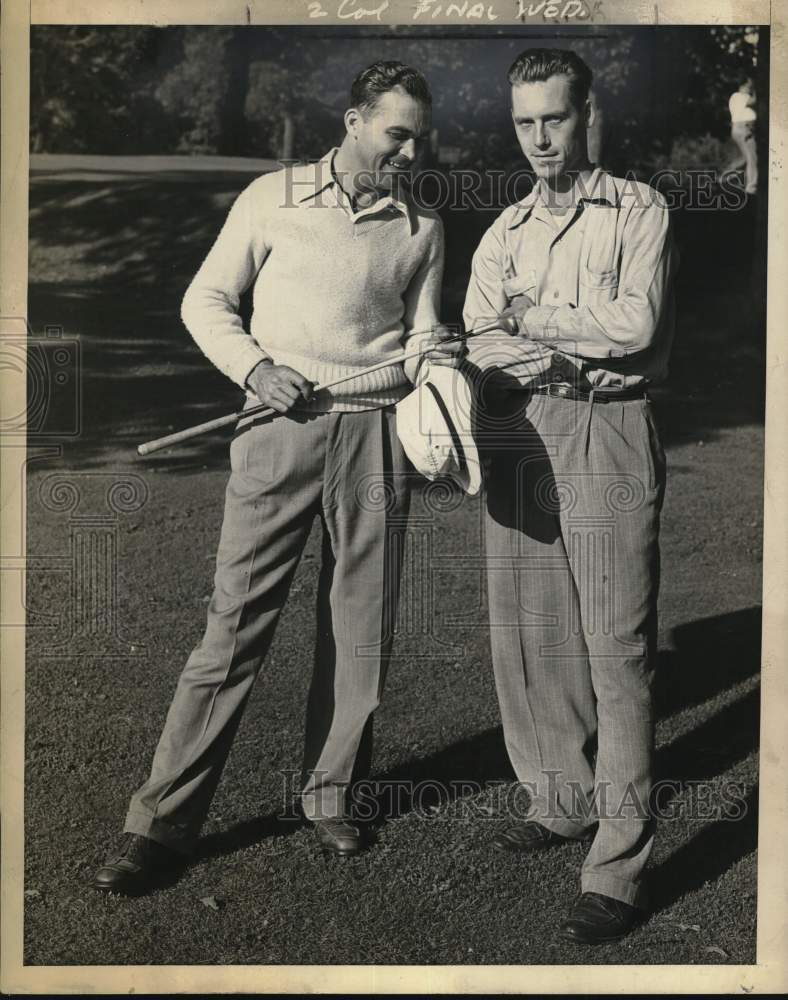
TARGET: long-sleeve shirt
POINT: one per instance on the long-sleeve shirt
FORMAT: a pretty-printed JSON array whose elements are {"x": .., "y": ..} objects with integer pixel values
[
  {"x": 601, "y": 280},
  {"x": 335, "y": 291}
]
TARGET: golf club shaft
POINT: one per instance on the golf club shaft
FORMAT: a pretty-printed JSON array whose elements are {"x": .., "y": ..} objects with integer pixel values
[
  {"x": 260, "y": 410},
  {"x": 264, "y": 410}
]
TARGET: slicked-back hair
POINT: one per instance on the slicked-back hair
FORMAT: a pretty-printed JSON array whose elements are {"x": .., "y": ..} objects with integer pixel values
[
  {"x": 540, "y": 64},
  {"x": 386, "y": 74}
]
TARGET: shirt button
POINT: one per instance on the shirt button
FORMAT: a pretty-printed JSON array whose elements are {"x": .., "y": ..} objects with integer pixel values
[{"x": 555, "y": 295}]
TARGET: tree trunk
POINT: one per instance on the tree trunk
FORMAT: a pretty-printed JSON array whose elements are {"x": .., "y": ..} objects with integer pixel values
[
  {"x": 233, "y": 135},
  {"x": 288, "y": 136}
]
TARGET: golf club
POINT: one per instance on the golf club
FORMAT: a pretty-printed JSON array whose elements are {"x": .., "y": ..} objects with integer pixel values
[{"x": 503, "y": 322}]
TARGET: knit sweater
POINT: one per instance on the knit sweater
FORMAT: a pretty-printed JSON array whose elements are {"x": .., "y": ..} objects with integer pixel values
[{"x": 334, "y": 291}]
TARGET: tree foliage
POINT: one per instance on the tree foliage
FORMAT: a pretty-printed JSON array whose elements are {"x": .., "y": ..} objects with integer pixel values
[
  {"x": 192, "y": 92},
  {"x": 249, "y": 91},
  {"x": 92, "y": 89}
]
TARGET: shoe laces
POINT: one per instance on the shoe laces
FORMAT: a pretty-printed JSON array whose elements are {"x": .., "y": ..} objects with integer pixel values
[
  {"x": 339, "y": 825},
  {"x": 132, "y": 848},
  {"x": 613, "y": 907}
]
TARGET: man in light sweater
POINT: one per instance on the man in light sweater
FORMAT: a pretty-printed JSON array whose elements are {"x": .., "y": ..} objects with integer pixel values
[{"x": 346, "y": 270}]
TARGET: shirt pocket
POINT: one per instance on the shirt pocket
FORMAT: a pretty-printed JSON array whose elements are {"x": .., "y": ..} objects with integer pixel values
[
  {"x": 599, "y": 286},
  {"x": 523, "y": 283},
  {"x": 599, "y": 273}
]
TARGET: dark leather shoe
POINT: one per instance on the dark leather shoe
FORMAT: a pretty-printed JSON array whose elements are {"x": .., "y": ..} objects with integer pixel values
[
  {"x": 338, "y": 836},
  {"x": 595, "y": 918},
  {"x": 530, "y": 836},
  {"x": 138, "y": 867}
]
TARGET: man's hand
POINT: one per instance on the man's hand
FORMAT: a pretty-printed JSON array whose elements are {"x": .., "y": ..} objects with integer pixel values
[
  {"x": 278, "y": 386},
  {"x": 517, "y": 309},
  {"x": 439, "y": 352}
]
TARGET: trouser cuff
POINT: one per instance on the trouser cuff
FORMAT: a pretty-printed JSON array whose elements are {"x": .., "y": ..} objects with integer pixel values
[
  {"x": 163, "y": 833},
  {"x": 634, "y": 893},
  {"x": 314, "y": 811},
  {"x": 562, "y": 825},
  {"x": 325, "y": 802}
]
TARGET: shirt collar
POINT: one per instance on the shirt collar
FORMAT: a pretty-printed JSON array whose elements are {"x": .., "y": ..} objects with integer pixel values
[
  {"x": 322, "y": 178},
  {"x": 600, "y": 189}
]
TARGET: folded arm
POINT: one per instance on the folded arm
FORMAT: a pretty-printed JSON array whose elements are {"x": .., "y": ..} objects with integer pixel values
[
  {"x": 485, "y": 301},
  {"x": 628, "y": 323}
]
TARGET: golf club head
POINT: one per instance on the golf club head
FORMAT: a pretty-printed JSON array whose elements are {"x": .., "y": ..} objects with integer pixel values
[
  {"x": 509, "y": 323},
  {"x": 506, "y": 322}
]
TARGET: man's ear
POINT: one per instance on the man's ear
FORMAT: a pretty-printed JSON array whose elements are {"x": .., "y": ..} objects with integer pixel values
[
  {"x": 353, "y": 119},
  {"x": 590, "y": 113}
]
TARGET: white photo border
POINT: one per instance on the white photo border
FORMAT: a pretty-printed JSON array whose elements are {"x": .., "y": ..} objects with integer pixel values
[{"x": 768, "y": 975}]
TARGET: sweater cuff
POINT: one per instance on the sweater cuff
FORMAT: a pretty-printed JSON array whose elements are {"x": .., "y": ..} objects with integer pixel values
[
  {"x": 412, "y": 366},
  {"x": 245, "y": 361}
]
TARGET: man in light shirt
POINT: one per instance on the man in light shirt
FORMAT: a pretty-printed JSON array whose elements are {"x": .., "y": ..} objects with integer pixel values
[
  {"x": 575, "y": 484},
  {"x": 346, "y": 270},
  {"x": 743, "y": 118}
]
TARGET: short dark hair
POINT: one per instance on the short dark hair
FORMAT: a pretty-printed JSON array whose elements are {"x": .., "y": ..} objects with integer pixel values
[
  {"x": 384, "y": 75},
  {"x": 540, "y": 64}
]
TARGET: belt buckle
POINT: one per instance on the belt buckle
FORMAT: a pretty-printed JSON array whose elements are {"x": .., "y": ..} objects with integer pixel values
[{"x": 560, "y": 389}]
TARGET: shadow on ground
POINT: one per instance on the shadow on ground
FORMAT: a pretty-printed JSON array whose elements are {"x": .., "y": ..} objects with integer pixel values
[
  {"x": 707, "y": 856},
  {"x": 729, "y": 644}
]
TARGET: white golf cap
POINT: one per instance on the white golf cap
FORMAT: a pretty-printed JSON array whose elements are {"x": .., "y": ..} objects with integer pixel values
[{"x": 434, "y": 427}]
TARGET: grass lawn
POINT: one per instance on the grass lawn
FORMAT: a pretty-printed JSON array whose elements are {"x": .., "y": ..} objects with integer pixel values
[{"x": 110, "y": 254}]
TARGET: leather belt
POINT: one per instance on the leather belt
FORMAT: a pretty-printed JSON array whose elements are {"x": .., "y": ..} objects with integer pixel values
[{"x": 563, "y": 390}]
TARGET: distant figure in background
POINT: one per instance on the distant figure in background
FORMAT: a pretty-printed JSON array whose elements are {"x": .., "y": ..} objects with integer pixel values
[{"x": 743, "y": 118}]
